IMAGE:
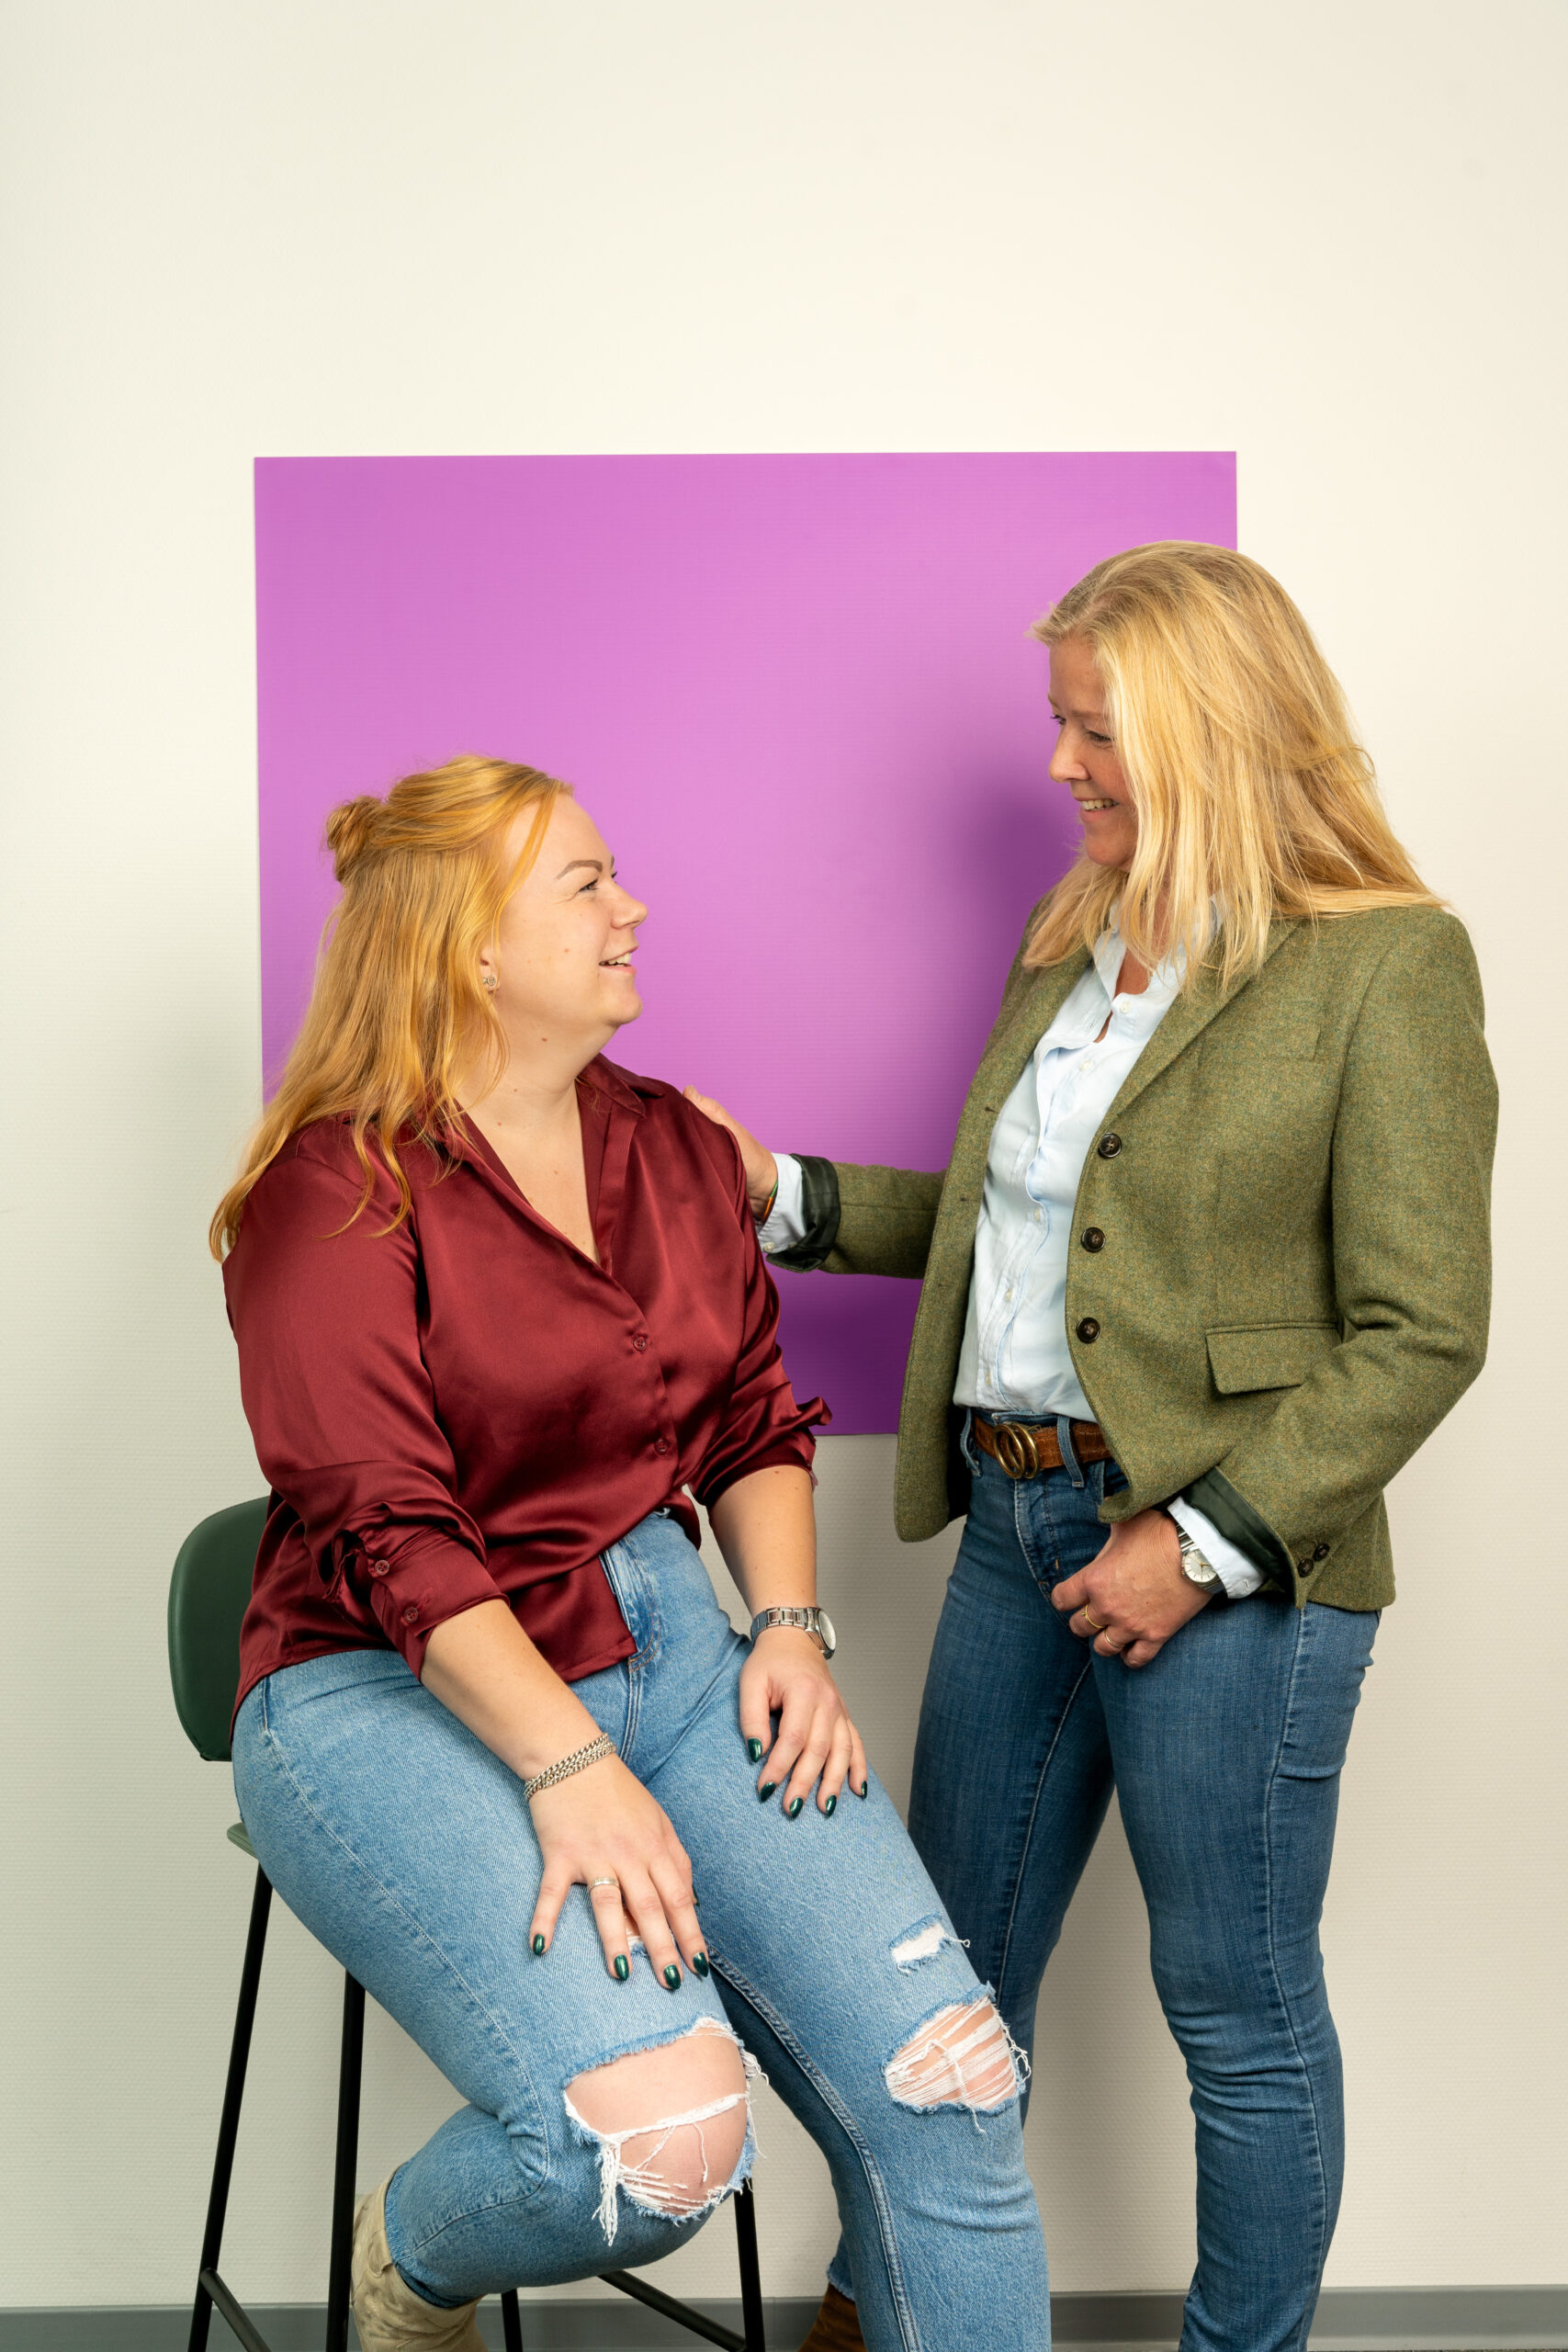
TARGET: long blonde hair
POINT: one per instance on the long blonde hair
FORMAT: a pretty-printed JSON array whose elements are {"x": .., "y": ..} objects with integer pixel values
[
  {"x": 1239, "y": 753},
  {"x": 399, "y": 1009}
]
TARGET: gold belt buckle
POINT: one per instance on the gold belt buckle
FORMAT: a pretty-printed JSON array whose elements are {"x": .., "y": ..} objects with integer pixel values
[{"x": 1016, "y": 1450}]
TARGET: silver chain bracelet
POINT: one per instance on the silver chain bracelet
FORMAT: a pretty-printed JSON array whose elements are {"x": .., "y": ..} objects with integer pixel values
[{"x": 578, "y": 1762}]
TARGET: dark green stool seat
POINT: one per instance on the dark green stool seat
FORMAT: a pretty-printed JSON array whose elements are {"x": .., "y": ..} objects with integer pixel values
[{"x": 209, "y": 1593}]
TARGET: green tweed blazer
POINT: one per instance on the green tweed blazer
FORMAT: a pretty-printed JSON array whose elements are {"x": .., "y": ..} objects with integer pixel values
[{"x": 1294, "y": 1282}]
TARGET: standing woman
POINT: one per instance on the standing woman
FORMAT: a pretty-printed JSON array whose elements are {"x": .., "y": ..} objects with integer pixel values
[{"x": 1208, "y": 1265}]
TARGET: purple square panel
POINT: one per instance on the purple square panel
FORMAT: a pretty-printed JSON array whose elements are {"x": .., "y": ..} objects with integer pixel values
[{"x": 799, "y": 698}]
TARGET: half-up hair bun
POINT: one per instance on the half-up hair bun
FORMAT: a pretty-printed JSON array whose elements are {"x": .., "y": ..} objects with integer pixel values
[{"x": 350, "y": 830}]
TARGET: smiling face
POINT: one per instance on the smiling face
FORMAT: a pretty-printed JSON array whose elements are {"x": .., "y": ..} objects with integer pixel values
[
  {"x": 1085, "y": 757},
  {"x": 561, "y": 964}
]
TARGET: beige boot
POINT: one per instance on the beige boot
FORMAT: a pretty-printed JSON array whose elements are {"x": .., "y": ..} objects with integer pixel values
[
  {"x": 837, "y": 2327},
  {"x": 389, "y": 2316}
]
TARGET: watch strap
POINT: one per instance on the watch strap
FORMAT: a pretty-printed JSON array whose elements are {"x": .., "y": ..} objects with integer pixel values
[{"x": 806, "y": 1621}]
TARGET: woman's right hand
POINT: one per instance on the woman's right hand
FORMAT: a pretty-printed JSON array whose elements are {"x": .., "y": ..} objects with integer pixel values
[
  {"x": 761, "y": 1168},
  {"x": 601, "y": 1823}
]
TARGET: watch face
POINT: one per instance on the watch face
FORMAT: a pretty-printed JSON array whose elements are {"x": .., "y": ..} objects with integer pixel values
[{"x": 825, "y": 1627}]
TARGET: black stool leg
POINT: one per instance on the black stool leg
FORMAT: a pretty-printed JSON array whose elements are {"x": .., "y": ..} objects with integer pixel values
[
  {"x": 349, "y": 2069},
  {"x": 750, "y": 2269},
  {"x": 511, "y": 2321},
  {"x": 229, "y": 2123}
]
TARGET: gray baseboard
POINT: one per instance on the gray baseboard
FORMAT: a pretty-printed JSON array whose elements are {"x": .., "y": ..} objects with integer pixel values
[
  {"x": 562, "y": 2325},
  {"x": 1349, "y": 2319}
]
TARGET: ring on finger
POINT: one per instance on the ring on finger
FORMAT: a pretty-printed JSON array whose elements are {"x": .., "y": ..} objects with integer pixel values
[
  {"x": 1093, "y": 1621},
  {"x": 604, "y": 1881}
]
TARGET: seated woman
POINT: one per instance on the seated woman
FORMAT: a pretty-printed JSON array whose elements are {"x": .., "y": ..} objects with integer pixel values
[{"x": 499, "y": 1306}]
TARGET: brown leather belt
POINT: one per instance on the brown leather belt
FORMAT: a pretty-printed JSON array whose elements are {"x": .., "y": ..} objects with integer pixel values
[{"x": 1022, "y": 1451}]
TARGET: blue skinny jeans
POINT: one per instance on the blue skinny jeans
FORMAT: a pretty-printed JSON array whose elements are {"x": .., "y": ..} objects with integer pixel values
[
  {"x": 1224, "y": 1753},
  {"x": 407, "y": 1850}
]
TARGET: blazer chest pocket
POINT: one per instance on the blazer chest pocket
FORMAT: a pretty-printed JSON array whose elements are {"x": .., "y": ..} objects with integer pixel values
[{"x": 1268, "y": 1355}]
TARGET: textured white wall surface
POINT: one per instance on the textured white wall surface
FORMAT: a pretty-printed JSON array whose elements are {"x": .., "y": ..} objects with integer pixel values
[{"x": 1323, "y": 236}]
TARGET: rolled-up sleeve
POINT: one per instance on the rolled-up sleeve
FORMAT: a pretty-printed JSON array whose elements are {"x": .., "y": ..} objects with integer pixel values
[
  {"x": 763, "y": 1425},
  {"x": 325, "y": 1313}
]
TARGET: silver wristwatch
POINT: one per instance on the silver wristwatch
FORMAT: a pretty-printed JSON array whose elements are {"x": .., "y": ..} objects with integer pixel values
[
  {"x": 1196, "y": 1565},
  {"x": 815, "y": 1621}
]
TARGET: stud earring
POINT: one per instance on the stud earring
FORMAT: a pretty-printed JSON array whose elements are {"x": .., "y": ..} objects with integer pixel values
[{"x": 489, "y": 981}]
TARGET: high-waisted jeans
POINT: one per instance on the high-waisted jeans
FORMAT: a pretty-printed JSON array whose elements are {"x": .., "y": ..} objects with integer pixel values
[
  {"x": 1224, "y": 1753},
  {"x": 407, "y": 1849}
]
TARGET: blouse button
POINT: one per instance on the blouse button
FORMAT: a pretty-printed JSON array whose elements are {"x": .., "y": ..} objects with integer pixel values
[
  {"x": 1092, "y": 1237},
  {"x": 1088, "y": 1330},
  {"x": 378, "y": 1567},
  {"x": 639, "y": 1341},
  {"x": 662, "y": 1446},
  {"x": 1109, "y": 1147},
  {"x": 411, "y": 1615}
]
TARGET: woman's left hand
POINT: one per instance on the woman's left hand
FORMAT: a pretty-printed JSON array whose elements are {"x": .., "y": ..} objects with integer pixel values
[
  {"x": 816, "y": 1746},
  {"x": 1134, "y": 1593}
]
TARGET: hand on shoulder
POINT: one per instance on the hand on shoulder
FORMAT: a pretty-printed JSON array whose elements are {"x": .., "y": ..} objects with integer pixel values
[{"x": 761, "y": 1168}]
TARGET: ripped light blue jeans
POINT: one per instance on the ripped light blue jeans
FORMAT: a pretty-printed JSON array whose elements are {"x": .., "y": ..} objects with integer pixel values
[{"x": 407, "y": 1850}]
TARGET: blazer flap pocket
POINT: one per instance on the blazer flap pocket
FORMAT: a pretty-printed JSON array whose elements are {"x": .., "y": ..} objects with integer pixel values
[{"x": 1270, "y": 1355}]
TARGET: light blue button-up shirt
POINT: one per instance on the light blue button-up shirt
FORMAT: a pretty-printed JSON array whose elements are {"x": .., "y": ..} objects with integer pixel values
[{"x": 1015, "y": 1357}]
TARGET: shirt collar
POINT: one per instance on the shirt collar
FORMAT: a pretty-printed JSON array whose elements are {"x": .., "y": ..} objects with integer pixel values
[
  {"x": 1110, "y": 948},
  {"x": 623, "y": 1089}
]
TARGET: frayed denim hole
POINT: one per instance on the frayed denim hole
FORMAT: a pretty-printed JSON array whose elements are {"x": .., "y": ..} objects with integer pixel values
[
  {"x": 923, "y": 1942},
  {"x": 639, "y": 2182},
  {"x": 929, "y": 2072}
]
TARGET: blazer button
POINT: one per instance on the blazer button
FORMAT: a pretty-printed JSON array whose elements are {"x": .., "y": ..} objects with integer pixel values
[
  {"x": 1321, "y": 1553},
  {"x": 1088, "y": 1330},
  {"x": 1092, "y": 1237},
  {"x": 1109, "y": 1147},
  {"x": 411, "y": 1615}
]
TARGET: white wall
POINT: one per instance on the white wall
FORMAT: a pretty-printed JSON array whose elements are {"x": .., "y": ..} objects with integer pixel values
[{"x": 1325, "y": 236}]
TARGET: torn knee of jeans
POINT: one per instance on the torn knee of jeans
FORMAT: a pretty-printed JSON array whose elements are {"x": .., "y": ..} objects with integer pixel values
[
  {"x": 963, "y": 2057},
  {"x": 677, "y": 2165}
]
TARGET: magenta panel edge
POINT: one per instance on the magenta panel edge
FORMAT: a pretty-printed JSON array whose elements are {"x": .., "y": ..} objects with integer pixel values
[{"x": 799, "y": 696}]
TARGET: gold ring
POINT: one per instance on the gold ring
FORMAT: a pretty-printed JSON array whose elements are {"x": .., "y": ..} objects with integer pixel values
[{"x": 1093, "y": 1621}]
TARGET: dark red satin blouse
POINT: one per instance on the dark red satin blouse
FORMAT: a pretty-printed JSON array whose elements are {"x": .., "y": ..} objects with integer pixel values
[{"x": 467, "y": 1408}]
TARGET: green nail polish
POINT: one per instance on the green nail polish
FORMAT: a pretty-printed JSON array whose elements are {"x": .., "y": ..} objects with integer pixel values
[
  {"x": 623, "y": 1968},
  {"x": 831, "y": 1806},
  {"x": 794, "y": 1807},
  {"x": 863, "y": 1790},
  {"x": 700, "y": 1963},
  {"x": 766, "y": 1791},
  {"x": 755, "y": 1750},
  {"x": 672, "y": 1977},
  {"x": 539, "y": 1946}
]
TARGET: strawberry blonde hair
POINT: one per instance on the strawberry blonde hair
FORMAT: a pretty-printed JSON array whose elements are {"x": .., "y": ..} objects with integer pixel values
[
  {"x": 1241, "y": 759},
  {"x": 398, "y": 1008}
]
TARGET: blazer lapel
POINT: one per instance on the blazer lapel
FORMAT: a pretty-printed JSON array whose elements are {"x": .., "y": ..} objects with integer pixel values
[{"x": 1188, "y": 1018}]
